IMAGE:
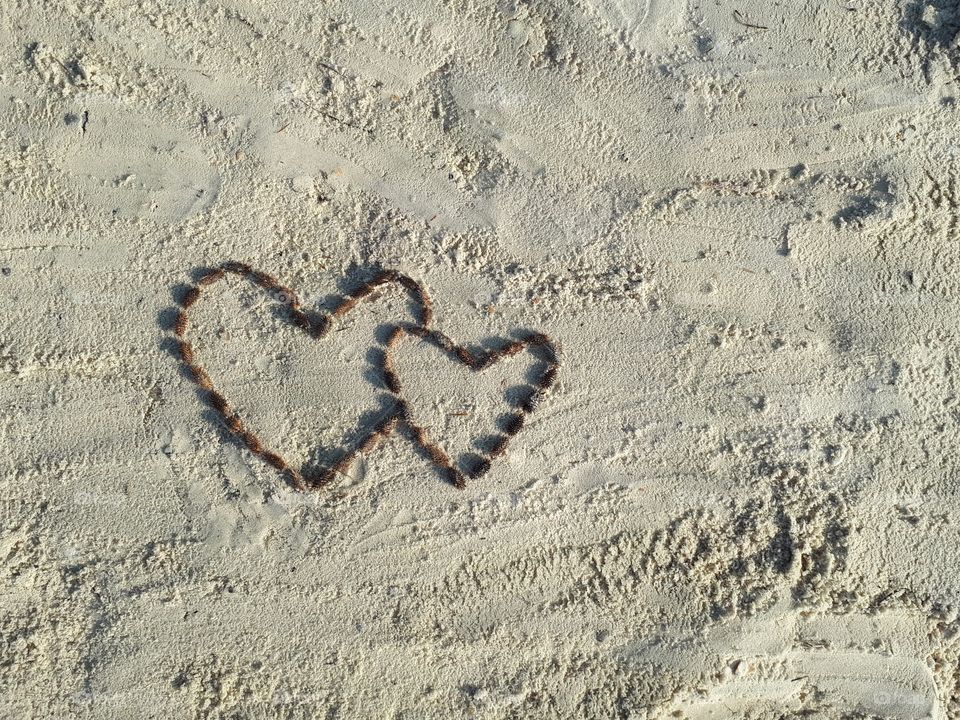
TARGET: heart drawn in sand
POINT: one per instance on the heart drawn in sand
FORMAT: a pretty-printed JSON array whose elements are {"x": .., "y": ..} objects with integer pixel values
[
  {"x": 318, "y": 326},
  {"x": 537, "y": 343}
]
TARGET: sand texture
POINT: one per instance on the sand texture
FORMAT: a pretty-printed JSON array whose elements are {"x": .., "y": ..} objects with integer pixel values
[{"x": 738, "y": 226}]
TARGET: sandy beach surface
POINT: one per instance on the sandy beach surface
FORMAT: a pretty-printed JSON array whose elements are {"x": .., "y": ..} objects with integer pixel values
[{"x": 730, "y": 487}]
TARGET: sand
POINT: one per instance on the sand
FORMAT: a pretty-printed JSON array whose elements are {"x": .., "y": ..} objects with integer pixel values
[{"x": 737, "y": 221}]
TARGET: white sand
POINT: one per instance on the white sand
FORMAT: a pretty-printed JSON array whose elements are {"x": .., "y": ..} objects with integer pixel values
[{"x": 740, "y": 499}]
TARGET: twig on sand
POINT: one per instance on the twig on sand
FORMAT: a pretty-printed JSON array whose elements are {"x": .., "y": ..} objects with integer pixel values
[
  {"x": 341, "y": 121},
  {"x": 331, "y": 68},
  {"x": 738, "y": 16}
]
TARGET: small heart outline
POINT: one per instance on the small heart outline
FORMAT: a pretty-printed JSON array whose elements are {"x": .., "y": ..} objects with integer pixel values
[{"x": 477, "y": 362}]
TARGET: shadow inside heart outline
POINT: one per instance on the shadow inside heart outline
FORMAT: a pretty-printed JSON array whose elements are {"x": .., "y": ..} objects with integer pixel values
[
  {"x": 317, "y": 326},
  {"x": 477, "y": 361}
]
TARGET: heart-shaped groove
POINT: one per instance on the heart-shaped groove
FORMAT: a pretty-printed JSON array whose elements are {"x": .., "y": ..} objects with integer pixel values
[
  {"x": 318, "y": 326},
  {"x": 477, "y": 361}
]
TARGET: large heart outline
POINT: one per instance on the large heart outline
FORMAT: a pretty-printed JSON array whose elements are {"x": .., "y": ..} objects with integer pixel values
[
  {"x": 318, "y": 327},
  {"x": 476, "y": 361}
]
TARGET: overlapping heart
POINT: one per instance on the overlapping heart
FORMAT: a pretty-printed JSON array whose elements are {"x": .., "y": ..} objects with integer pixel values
[{"x": 318, "y": 326}]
